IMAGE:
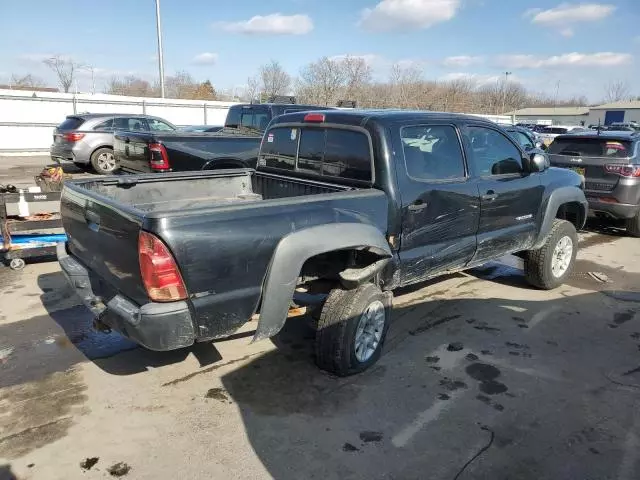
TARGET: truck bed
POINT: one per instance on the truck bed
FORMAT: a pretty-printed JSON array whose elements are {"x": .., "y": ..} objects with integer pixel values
[
  {"x": 181, "y": 192},
  {"x": 219, "y": 225}
]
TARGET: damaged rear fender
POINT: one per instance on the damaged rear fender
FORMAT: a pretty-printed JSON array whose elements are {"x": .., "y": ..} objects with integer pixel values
[{"x": 291, "y": 254}]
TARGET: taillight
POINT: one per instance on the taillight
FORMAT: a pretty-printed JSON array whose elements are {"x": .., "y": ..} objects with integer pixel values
[
  {"x": 624, "y": 170},
  {"x": 158, "y": 158},
  {"x": 72, "y": 136},
  {"x": 314, "y": 117},
  {"x": 159, "y": 270}
]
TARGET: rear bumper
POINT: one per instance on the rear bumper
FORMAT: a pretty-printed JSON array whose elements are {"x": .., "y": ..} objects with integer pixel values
[
  {"x": 616, "y": 210},
  {"x": 156, "y": 326}
]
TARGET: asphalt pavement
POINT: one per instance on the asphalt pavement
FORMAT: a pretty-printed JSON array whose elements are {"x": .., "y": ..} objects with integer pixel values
[{"x": 482, "y": 377}]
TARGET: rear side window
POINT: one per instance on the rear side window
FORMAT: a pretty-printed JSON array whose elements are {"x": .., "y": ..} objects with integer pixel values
[
  {"x": 71, "y": 123},
  {"x": 108, "y": 125},
  {"x": 591, "y": 147},
  {"x": 130, "y": 124},
  {"x": 432, "y": 152},
  {"x": 323, "y": 151}
]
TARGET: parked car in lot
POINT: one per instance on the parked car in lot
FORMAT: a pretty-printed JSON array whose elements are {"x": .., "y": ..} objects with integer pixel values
[
  {"x": 527, "y": 139},
  {"x": 548, "y": 134},
  {"x": 87, "y": 139},
  {"x": 610, "y": 164},
  {"x": 234, "y": 146},
  {"x": 352, "y": 203}
]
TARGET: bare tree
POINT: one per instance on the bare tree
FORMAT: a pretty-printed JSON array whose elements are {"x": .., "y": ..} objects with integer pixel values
[
  {"x": 275, "y": 81},
  {"x": 253, "y": 88},
  {"x": 405, "y": 85},
  {"x": 64, "y": 68},
  {"x": 322, "y": 81},
  {"x": 616, "y": 91},
  {"x": 357, "y": 75},
  {"x": 26, "y": 81},
  {"x": 131, "y": 86}
]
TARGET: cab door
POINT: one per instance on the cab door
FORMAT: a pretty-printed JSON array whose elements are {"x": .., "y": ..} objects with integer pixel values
[
  {"x": 440, "y": 204},
  {"x": 510, "y": 196}
]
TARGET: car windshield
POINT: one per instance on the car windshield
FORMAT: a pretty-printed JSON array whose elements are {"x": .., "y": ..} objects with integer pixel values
[{"x": 591, "y": 147}]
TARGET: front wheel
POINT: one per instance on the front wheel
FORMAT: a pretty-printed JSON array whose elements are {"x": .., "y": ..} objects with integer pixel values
[
  {"x": 550, "y": 265},
  {"x": 103, "y": 161},
  {"x": 351, "y": 330}
]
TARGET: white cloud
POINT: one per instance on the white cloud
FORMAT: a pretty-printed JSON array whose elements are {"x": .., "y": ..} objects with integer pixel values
[
  {"x": 565, "y": 15},
  {"x": 472, "y": 77},
  {"x": 462, "y": 61},
  {"x": 274, "y": 24},
  {"x": 206, "y": 58},
  {"x": 408, "y": 14},
  {"x": 575, "y": 59}
]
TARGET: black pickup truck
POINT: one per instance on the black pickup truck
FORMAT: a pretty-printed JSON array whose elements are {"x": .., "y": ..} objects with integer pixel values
[
  {"x": 352, "y": 204},
  {"x": 234, "y": 146}
]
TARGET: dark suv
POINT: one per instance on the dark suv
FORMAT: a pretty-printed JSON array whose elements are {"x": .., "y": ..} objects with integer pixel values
[{"x": 610, "y": 164}]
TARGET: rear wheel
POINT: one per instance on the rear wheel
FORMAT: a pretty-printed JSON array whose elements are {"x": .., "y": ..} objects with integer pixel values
[
  {"x": 351, "y": 330},
  {"x": 550, "y": 265},
  {"x": 633, "y": 225},
  {"x": 103, "y": 161}
]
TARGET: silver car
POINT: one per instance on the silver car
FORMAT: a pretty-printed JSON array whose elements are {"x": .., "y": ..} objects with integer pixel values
[{"x": 87, "y": 139}]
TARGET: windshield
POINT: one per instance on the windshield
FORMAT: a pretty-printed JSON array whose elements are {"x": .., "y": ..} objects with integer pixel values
[
  {"x": 591, "y": 147},
  {"x": 558, "y": 130}
]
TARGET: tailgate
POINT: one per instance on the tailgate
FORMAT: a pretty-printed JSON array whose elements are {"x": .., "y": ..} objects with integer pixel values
[
  {"x": 592, "y": 157},
  {"x": 104, "y": 237},
  {"x": 132, "y": 152}
]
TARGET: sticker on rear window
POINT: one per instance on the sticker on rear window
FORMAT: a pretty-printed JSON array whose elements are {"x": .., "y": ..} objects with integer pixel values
[
  {"x": 294, "y": 133},
  {"x": 270, "y": 138}
]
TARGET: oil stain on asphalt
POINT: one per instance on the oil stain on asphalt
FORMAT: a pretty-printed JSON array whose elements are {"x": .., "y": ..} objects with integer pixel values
[{"x": 486, "y": 374}]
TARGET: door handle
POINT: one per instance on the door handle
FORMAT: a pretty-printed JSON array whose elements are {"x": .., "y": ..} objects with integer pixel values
[
  {"x": 490, "y": 196},
  {"x": 418, "y": 206}
]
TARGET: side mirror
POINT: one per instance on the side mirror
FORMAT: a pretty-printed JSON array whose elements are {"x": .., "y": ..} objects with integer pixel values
[
  {"x": 538, "y": 144},
  {"x": 538, "y": 162}
]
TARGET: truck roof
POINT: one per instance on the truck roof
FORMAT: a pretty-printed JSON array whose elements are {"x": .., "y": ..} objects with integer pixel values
[{"x": 359, "y": 117}]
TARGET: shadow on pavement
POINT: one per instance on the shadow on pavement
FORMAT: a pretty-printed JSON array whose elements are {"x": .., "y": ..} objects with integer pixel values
[
  {"x": 536, "y": 389},
  {"x": 6, "y": 473}
]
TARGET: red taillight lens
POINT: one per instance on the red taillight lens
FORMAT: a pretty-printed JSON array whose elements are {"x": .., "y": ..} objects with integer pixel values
[
  {"x": 158, "y": 158},
  {"x": 160, "y": 273},
  {"x": 624, "y": 170},
  {"x": 73, "y": 137},
  {"x": 314, "y": 117}
]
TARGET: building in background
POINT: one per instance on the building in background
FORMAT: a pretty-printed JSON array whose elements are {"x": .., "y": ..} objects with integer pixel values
[
  {"x": 617, "y": 112},
  {"x": 551, "y": 115}
]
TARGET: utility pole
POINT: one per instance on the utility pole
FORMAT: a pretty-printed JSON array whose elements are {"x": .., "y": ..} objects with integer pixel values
[
  {"x": 92, "y": 69},
  {"x": 160, "y": 59},
  {"x": 504, "y": 89},
  {"x": 555, "y": 98}
]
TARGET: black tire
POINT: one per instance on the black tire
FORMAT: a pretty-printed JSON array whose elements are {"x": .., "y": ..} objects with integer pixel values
[
  {"x": 337, "y": 326},
  {"x": 633, "y": 225},
  {"x": 97, "y": 165},
  {"x": 538, "y": 263}
]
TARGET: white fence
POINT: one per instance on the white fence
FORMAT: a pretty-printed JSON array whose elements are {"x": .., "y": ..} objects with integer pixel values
[{"x": 27, "y": 118}]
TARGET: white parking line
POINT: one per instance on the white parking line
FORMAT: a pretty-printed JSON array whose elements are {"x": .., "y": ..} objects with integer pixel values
[
  {"x": 541, "y": 316},
  {"x": 432, "y": 413}
]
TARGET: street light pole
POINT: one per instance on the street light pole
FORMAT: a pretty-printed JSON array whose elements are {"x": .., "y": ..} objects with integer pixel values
[
  {"x": 160, "y": 58},
  {"x": 504, "y": 89}
]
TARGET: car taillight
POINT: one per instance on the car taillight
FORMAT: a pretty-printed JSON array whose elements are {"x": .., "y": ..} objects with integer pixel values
[
  {"x": 624, "y": 170},
  {"x": 159, "y": 270},
  {"x": 72, "y": 136},
  {"x": 158, "y": 158}
]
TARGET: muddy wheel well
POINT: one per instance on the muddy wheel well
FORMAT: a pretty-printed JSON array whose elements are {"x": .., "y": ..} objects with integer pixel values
[
  {"x": 326, "y": 267},
  {"x": 572, "y": 212}
]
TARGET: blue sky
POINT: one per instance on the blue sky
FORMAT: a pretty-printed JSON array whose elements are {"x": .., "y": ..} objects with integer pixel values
[{"x": 582, "y": 45}]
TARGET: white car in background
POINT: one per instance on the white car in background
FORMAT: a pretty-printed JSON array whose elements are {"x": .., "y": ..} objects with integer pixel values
[{"x": 549, "y": 133}]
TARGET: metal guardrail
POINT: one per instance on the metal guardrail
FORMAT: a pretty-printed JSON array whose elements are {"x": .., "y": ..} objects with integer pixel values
[
  {"x": 98, "y": 101},
  {"x": 28, "y": 124}
]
